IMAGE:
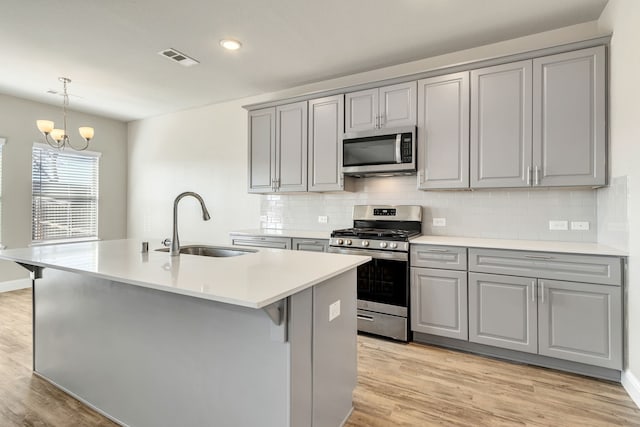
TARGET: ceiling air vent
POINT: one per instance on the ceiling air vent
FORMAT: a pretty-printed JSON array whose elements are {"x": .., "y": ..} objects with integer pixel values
[{"x": 178, "y": 57}]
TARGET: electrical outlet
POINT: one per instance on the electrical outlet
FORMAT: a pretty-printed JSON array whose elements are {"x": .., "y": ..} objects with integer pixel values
[
  {"x": 334, "y": 310},
  {"x": 439, "y": 222},
  {"x": 558, "y": 225},
  {"x": 580, "y": 225},
  {"x": 323, "y": 219},
  {"x": 263, "y": 218}
]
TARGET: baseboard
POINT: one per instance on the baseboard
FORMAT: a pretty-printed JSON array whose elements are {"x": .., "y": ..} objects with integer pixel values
[
  {"x": 632, "y": 385},
  {"x": 14, "y": 285}
]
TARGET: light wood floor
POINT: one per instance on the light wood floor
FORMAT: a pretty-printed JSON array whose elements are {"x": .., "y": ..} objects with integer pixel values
[{"x": 398, "y": 385}]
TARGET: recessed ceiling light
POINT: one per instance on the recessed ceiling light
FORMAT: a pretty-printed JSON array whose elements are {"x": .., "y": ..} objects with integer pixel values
[{"x": 230, "y": 44}]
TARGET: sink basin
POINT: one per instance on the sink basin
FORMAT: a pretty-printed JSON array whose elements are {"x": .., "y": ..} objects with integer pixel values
[{"x": 212, "y": 251}]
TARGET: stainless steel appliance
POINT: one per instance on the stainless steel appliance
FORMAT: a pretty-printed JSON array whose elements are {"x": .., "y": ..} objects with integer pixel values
[
  {"x": 382, "y": 232},
  {"x": 389, "y": 151}
]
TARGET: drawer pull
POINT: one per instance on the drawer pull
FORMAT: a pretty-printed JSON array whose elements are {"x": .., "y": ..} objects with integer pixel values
[
  {"x": 538, "y": 257},
  {"x": 542, "y": 292},
  {"x": 367, "y": 318},
  {"x": 308, "y": 242},
  {"x": 533, "y": 291},
  {"x": 437, "y": 250}
]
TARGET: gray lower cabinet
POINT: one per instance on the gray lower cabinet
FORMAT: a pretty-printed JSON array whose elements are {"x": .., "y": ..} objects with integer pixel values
[
  {"x": 439, "y": 302},
  {"x": 503, "y": 311},
  {"x": 261, "y": 241},
  {"x": 314, "y": 245},
  {"x": 326, "y": 128},
  {"x": 581, "y": 322},
  {"x": 278, "y": 149},
  {"x": 443, "y": 132}
]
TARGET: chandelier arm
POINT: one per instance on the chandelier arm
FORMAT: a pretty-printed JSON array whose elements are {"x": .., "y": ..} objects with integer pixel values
[
  {"x": 86, "y": 144},
  {"x": 52, "y": 142}
]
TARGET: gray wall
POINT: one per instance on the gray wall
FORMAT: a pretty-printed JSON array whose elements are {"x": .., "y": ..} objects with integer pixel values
[{"x": 17, "y": 124}]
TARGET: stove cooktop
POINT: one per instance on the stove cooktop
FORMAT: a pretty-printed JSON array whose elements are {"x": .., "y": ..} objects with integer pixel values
[{"x": 375, "y": 233}]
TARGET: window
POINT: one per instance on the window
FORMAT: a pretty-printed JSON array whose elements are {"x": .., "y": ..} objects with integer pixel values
[
  {"x": 2, "y": 141},
  {"x": 64, "y": 194}
]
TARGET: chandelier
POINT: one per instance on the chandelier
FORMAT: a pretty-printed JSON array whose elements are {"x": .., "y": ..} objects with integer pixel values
[{"x": 58, "y": 138}]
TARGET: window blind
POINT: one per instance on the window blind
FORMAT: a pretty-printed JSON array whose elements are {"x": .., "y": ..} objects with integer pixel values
[{"x": 64, "y": 194}]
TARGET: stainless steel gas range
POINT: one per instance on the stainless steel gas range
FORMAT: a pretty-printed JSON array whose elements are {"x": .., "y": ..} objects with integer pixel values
[{"x": 382, "y": 232}]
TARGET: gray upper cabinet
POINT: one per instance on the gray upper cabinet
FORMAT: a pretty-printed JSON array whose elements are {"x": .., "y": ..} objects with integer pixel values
[
  {"x": 278, "y": 149},
  {"x": 291, "y": 152},
  {"x": 326, "y": 128},
  {"x": 501, "y": 136},
  {"x": 443, "y": 132},
  {"x": 581, "y": 322},
  {"x": 385, "y": 107},
  {"x": 262, "y": 150},
  {"x": 569, "y": 119}
]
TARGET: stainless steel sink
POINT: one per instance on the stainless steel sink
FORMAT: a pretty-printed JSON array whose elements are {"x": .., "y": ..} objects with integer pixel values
[{"x": 212, "y": 251}]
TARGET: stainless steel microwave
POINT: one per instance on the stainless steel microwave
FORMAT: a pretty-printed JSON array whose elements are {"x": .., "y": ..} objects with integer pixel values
[{"x": 389, "y": 151}]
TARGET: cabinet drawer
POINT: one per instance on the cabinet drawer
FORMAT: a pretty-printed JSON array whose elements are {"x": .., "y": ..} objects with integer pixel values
[
  {"x": 261, "y": 241},
  {"x": 545, "y": 265},
  {"x": 446, "y": 257},
  {"x": 319, "y": 245}
]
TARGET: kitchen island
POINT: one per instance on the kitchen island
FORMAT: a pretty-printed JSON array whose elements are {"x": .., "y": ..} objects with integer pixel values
[{"x": 266, "y": 338}]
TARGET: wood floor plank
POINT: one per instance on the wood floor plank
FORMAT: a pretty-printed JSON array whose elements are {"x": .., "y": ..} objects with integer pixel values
[{"x": 398, "y": 385}]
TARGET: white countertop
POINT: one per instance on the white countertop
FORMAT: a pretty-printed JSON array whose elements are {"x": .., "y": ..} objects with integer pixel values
[
  {"x": 301, "y": 234},
  {"x": 521, "y": 245},
  {"x": 252, "y": 280}
]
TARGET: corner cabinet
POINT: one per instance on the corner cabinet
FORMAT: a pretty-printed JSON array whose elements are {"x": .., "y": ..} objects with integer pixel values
[
  {"x": 385, "y": 107},
  {"x": 326, "y": 128},
  {"x": 278, "y": 149},
  {"x": 540, "y": 122},
  {"x": 443, "y": 132}
]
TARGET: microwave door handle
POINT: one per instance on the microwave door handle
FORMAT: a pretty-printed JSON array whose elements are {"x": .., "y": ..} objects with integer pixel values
[{"x": 398, "y": 148}]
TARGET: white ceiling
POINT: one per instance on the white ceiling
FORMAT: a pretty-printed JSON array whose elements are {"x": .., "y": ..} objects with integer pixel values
[{"x": 109, "y": 47}]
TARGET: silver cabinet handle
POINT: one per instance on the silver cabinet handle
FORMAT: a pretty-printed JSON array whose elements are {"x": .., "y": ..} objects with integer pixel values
[
  {"x": 437, "y": 250},
  {"x": 381, "y": 120},
  {"x": 398, "y": 148},
  {"x": 528, "y": 175},
  {"x": 533, "y": 291},
  {"x": 538, "y": 257},
  {"x": 376, "y": 122},
  {"x": 542, "y": 292},
  {"x": 367, "y": 318},
  {"x": 536, "y": 176}
]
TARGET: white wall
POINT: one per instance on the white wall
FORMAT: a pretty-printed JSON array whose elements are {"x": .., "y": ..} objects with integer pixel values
[
  {"x": 17, "y": 124},
  {"x": 622, "y": 17},
  {"x": 205, "y": 150}
]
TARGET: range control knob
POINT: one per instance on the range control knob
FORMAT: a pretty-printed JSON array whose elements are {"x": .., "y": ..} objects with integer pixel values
[
  {"x": 348, "y": 242},
  {"x": 340, "y": 241},
  {"x": 365, "y": 243},
  {"x": 393, "y": 245},
  {"x": 383, "y": 244}
]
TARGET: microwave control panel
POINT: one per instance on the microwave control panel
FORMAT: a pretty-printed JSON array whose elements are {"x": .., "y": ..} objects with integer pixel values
[{"x": 406, "y": 149}]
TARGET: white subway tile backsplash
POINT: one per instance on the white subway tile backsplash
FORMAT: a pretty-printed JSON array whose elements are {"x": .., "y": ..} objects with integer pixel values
[{"x": 507, "y": 214}]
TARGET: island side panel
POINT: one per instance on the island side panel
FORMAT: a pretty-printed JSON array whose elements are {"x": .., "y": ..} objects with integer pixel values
[
  {"x": 301, "y": 357},
  {"x": 186, "y": 361},
  {"x": 334, "y": 349}
]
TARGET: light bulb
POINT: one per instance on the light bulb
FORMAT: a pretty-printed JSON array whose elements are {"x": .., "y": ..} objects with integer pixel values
[
  {"x": 57, "y": 134},
  {"x": 86, "y": 132},
  {"x": 44, "y": 126}
]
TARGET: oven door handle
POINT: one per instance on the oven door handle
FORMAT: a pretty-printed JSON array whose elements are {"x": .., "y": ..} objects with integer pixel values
[
  {"x": 399, "y": 148},
  {"x": 367, "y": 318},
  {"x": 397, "y": 256}
]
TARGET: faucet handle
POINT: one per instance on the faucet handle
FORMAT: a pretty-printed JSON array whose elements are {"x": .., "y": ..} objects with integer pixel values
[{"x": 166, "y": 242}]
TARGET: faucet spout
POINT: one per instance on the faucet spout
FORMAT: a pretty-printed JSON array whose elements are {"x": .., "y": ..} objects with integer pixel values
[{"x": 175, "y": 241}]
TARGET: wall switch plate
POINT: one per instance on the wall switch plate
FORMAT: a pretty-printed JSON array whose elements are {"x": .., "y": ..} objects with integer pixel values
[
  {"x": 580, "y": 225},
  {"x": 323, "y": 219},
  {"x": 264, "y": 218},
  {"x": 334, "y": 310},
  {"x": 439, "y": 222},
  {"x": 558, "y": 225}
]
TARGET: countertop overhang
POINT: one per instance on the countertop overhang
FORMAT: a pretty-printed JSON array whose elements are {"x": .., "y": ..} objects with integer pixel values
[{"x": 253, "y": 280}]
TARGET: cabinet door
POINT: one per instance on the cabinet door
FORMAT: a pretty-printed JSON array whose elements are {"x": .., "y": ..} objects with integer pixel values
[
  {"x": 262, "y": 150},
  {"x": 443, "y": 132},
  {"x": 581, "y": 322},
  {"x": 312, "y": 245},
  {"x": 291, "y": 155},
  {"x": 326, "y": 128},
  {"x": 501, "y": 125},
  {"x": 503, "y": 311},
  {"x": 398, "y": 105},
  {"x": 362, "y": 110},
  {"x": 569, "y": 118},
  {"x": 439, "y": 302}
]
